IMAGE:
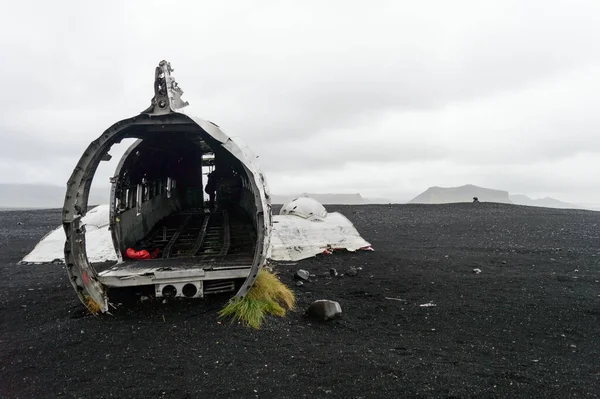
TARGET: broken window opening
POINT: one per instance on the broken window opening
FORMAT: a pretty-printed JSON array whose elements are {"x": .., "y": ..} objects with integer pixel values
[{"x": 139, "y": 199}]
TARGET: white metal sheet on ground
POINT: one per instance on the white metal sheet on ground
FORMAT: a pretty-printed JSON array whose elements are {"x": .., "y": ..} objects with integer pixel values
[
  {"x": 292, "y": 238},
  {"x": 98, "y": 241},
  {"x": 295, "y": 238}
]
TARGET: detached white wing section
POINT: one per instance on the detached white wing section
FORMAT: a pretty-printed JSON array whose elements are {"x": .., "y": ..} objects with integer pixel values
[
  {"x": 98, "y": 241},
  {"x": 304, "y": 229},
  {"x": 299, "y": 233},
  {"x": 295, "y": 238}
]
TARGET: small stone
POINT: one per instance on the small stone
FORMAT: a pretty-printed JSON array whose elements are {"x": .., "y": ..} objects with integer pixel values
[
  {"x": 324, "y": 310},
  {"x": 20, "y": 223},
  {"x": 477, "y": 271},
  {"x": 504, "y": 262},
  {"x": 352, "y": 272},
  {"x": 333, "y": 272},
  {"x": 301, "y": 275},
  {"x": 299, "y": 283}
]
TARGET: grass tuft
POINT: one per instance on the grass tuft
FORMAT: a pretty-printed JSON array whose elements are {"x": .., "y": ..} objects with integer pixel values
[
  {"x": 268, "y": 295},
  {"x": 91, "y": 304}
]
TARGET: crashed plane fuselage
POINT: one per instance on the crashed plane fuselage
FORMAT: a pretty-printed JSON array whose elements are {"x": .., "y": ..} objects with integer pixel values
[{"x": 157, "y": 205}]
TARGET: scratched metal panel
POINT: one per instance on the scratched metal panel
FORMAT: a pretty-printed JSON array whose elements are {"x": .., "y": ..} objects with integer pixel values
[{"x": 295, "y": 238}]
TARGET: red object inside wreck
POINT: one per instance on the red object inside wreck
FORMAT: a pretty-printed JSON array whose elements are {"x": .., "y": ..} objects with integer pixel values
[{"x": 143, "y": 254}]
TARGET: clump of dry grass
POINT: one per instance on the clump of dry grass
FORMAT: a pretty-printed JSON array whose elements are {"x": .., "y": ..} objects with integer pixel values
[
  {"x": 92, "y": 305},
  {"x": 268, "y": 295}
]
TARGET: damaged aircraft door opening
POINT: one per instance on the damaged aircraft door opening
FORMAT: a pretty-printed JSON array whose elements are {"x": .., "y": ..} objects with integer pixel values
[{"x": 157, "y": 204}]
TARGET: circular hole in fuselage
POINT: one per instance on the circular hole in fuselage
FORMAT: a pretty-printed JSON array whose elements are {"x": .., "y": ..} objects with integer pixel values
[
  {"x": 189, "y": 290},
  {"x": 169, "y": 291}
]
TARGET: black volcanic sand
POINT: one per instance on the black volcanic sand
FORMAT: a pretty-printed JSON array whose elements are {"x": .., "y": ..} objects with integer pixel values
[{"x": 527, "y": 326}]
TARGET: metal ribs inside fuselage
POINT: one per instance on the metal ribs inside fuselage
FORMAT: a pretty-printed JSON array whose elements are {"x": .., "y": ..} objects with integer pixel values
[{"x": 217, "y": 239}]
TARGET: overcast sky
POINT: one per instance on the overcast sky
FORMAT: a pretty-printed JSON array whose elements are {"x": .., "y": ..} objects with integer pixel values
[{"x": 385, "y": 98}]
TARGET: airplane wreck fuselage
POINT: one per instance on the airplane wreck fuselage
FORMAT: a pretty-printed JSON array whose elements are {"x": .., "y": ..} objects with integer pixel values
[{"x": 157, "y": 204}]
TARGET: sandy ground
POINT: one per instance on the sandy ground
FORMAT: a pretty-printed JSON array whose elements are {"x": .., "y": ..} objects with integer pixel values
[{"x": 528, "y": 325}]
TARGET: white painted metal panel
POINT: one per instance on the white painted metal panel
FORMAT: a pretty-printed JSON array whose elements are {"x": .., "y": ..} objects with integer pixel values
[
  {"x": 295, "y": 238},
  {"x": 292, "y": 238}
]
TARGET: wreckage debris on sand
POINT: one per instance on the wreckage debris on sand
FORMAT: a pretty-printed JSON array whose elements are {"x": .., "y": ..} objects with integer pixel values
[{"x": 302, "y": 229}]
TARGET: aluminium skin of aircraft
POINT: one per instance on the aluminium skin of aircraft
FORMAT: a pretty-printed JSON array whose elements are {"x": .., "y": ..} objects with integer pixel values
[{"x": 156, "y": 202}]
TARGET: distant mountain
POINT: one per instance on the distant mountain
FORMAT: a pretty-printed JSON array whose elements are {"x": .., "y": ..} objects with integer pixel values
[
  {"x": 42, "y": 196},
  {"x": 444, "y": 195},
  {"x": 547, "y": 202},
  {"x": 338, "y": 199}
]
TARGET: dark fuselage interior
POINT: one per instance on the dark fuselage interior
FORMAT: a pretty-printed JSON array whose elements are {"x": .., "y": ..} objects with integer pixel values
[
  {"x": 221, "y": 237},
  {"x": 159, "y": 204}
]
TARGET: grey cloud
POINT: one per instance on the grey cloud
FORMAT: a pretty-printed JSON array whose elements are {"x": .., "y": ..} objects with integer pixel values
[
  {"x": 336, "y": 153},
  {"x": 307, "y": 86}
]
